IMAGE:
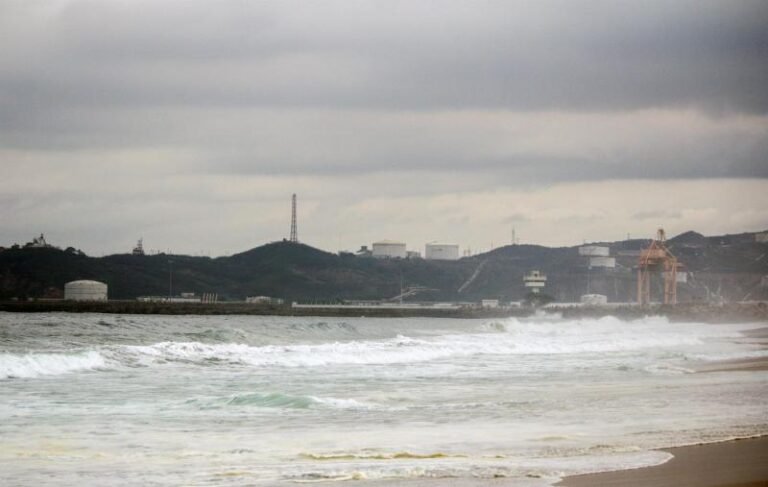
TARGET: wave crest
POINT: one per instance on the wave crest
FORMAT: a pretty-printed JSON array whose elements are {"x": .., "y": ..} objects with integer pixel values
[
  {"x": 38, "y": 364},
  {"x": 277, "y": 400}
]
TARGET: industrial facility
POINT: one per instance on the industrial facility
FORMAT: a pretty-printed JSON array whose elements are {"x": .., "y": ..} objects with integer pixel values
[
  {"x": 441, "y": 251},
  {"x": 85, "y": 290},
  {"x": 598, "y": 255},
  {"x": 388, "y": 249},
  {"x": 657, "y": 258}
]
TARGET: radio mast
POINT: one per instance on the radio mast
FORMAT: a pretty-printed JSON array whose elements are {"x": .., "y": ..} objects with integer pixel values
[{"x": 294, "y": 237}]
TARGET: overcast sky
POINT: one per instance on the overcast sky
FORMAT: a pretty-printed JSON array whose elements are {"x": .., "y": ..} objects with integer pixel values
[{"x": 191, "y": 123}]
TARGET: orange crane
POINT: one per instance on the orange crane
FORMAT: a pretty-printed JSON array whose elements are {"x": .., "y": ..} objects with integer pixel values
[{"x": 655, "y": 258}]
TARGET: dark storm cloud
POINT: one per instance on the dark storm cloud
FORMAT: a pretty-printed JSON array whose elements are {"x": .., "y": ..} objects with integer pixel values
[
  {"x": 414, "y": 55},
  {"x": 310, "y": 87}
]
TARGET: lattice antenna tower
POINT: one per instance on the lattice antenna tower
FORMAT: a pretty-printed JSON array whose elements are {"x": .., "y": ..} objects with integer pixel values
[{"x": 294, "y": 237}]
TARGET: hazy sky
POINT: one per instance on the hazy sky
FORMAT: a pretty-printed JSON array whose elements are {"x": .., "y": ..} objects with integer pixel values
[{"x": 191, "y": 123}]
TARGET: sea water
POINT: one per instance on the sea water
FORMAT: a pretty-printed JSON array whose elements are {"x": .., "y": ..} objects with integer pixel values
[{"x": 245, "y": 400}]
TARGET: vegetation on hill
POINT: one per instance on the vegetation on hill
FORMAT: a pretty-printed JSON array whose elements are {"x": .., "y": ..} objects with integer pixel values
[{"x": 730, "y": 267}]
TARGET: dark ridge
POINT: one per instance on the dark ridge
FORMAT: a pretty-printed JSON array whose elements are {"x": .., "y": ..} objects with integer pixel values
[{"x": 729, "y": 267}]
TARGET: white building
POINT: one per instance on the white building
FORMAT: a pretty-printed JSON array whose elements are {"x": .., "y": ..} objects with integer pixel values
[
  {"x": 441, "y": 251},
  {"x": 607, "y": 262},
  {"x": 263, "y": 300},
  {"x": 594, "y": 251},
  {"x": 85, "y": 291},
  {"x": 489, "y": 303},
  {"x": 388, "y": 249},
  {"x": 535, "y": 281}
]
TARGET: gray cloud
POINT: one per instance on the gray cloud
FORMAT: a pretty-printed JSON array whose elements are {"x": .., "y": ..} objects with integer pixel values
[
  {"x": 180, "y": 106},
  {"x": 395, "y": 55}
]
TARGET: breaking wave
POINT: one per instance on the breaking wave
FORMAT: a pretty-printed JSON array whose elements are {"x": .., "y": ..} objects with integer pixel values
[
  {"x": 38, "y": 364},
  {"x": 276, "y": 400},
  {"x": 518, "y": 337}
]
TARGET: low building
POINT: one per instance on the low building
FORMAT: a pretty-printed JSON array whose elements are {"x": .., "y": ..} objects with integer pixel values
[
  {"x": 489, "y": 303},
  {"x": 85, "y": 290},
  {"x": 263, "y": 300},
  {"x": 594, "y": 251},
  {"x": 594, "y": 299},
  {"x": 606, "y": 262},
  {"x": 388, "y": 249},
  {"x": 169, "y": 299}
]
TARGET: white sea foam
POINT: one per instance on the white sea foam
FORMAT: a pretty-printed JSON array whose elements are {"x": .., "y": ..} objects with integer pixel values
[
  {"x": 524, "y": 471},
  {"x": 277, "y": 400},
  {"x": 527, "y": 399},
  {"x": 569, "y": 337},
  {"x": 37, "y": 364}
]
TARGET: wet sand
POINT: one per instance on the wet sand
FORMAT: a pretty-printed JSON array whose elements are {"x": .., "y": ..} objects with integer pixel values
[{"x": 740, "y": 463}]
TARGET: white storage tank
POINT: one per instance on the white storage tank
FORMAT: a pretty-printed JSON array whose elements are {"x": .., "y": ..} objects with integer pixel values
[
  {"x": 85, "y": 291},
  {"x": 608, "y": 262},
  {"x": 388, "y": 249},
  {"x": 441, "y": 251},
  {"x": 594, "y": 251}
]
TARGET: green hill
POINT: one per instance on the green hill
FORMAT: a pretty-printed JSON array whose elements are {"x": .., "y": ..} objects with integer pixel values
[{"x": 731, "y": 267}]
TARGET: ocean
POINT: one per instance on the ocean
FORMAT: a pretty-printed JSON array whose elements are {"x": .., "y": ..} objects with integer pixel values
[{"x": 114, "y": 400}]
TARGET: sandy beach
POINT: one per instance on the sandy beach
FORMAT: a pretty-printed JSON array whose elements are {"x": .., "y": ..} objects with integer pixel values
[{"x": 739, "y": 463}]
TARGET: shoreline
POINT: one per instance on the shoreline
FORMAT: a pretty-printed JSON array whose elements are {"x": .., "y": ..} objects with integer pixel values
[
  {"x": 726, "y": 313},
  {"x": 730, "y": 463}
]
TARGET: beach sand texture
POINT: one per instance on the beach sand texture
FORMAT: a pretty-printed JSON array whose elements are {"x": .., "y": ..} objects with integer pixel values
[{"x": 741, "y": 463}]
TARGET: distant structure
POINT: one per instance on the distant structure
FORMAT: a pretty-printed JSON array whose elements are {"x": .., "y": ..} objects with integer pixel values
[
  {"x": 85, "y": 290},
  {"x": 264, "y": 300},
  {"x": 364, "y": 252},
  {"x": 594, "y": 251},
  {"x": 606, "y": 262},
  {"x": 594, "y": 299},
  {"x": 39, "y": 243},
  {"x": 294, "y": 236},
  {"x": 441, "y": 251},
  {"x": 139, "y": 248},
  {"x": 657, "y": 258},
  {"x": 535, "y": 281},
  {"x": 388, "y": 249},
  {"x": 599, "y": 256}
]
